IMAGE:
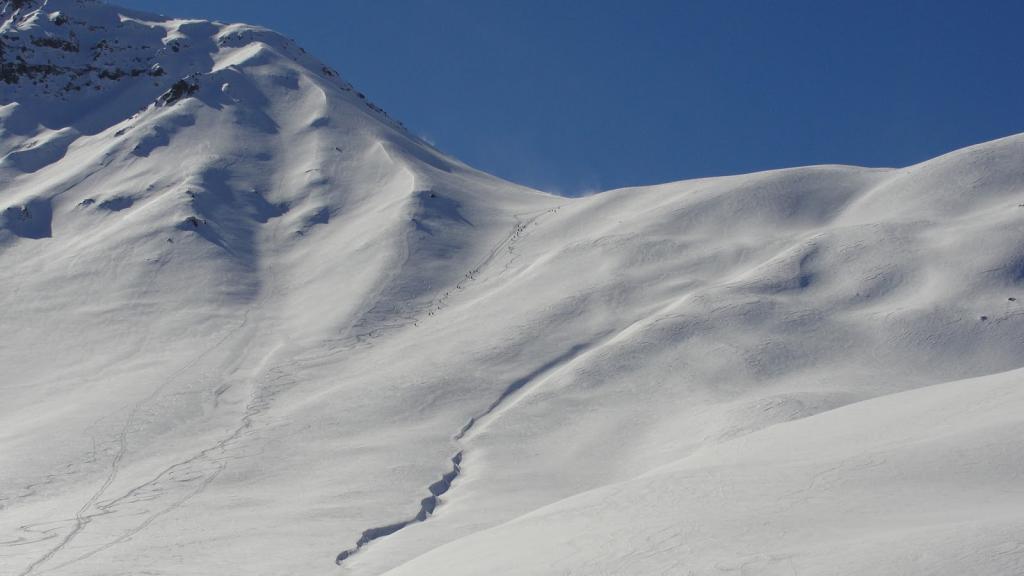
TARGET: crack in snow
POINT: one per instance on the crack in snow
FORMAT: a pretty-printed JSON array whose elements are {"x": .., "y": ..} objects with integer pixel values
[
  {"x": 429, "y": 504},
  {"x": 427, "y": 507}
]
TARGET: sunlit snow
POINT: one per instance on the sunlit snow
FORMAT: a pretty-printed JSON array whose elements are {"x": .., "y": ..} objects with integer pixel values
[{"x": 251, "y": 325}]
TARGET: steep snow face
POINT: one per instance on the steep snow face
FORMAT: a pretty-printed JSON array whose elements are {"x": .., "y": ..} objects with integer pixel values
[{"x": 249, "y": 324}]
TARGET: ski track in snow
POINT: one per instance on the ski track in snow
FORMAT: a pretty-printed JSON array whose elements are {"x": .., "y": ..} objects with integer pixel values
[
  {"x": 206, "y": 464},
  {"x": 399, "y": 319},
  {"x": 83, "y": 516}
]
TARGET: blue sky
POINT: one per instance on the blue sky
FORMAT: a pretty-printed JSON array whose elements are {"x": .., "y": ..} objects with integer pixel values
[{"x": 581, "y": 95}]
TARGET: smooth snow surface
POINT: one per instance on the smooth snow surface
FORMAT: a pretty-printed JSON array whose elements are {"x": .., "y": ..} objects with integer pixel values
[{"x": 250, "y": 325}]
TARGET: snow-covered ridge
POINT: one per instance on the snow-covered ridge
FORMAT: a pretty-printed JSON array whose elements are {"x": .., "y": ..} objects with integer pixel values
[
  {"x": 71, "y": 55},
  {"x": 250, "y": 325}
]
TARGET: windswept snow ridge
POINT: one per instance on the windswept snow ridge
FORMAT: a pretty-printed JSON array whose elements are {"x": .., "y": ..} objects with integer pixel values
[{"x": 245, "y": 318}]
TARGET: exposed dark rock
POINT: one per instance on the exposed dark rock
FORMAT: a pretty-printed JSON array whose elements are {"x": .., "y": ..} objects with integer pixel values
[
  {"x": 58, "y": 43},
  {"x": 15, "y": 5},
  {"x": 180, "y": 89}
]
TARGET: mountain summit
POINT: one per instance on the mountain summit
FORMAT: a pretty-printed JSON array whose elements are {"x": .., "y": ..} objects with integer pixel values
[
  {"x": 250, "y": 324},
  {"x": 85, "y": 54}
]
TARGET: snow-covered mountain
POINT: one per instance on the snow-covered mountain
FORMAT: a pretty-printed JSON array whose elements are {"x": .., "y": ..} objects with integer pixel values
[{"x": 251, "y": 325}]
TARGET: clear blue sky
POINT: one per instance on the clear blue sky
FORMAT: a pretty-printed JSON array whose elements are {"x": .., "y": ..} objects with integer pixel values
[{"x": 580, "y": 95}]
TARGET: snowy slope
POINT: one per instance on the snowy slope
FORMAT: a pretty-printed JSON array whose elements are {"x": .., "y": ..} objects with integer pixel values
[
  {"x": 923, "y": 482},
  {"x": 249, "y": 324}
]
